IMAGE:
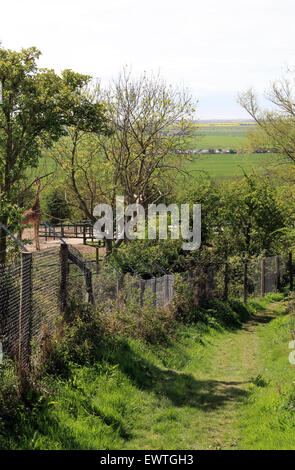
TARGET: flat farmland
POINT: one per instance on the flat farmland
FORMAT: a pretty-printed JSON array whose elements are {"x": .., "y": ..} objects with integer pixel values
[
  {"x": 219, "y": 135},
  {"x": 207, "y": 136},
  {"x": 226, "y": 136},
  {"x": 225, "y": 165}
]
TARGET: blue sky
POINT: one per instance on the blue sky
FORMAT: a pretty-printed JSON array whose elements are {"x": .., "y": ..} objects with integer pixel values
[{"x": 215, "y": 48}]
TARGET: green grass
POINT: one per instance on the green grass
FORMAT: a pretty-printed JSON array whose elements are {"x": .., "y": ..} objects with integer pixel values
[
  {"x": 231, "y": 165},
  {"x": 210, "y": 388},
  {"x": 216, "y": 166},
  {"x": 227, "y": 165},
  {"x": 267, "y": 421},
  {"x": 220, "y": 137}
]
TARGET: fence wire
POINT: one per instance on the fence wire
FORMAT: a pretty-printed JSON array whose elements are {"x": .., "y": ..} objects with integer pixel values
[
  {"x": 10, "y": 307},
  {"x": 33, "y": 286},
  {"x": 45, "y": 292}
]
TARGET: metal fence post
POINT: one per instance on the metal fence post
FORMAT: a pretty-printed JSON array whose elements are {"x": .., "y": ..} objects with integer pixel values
[
  {"x": 63, "y": 277},
  {"x": 245, "y": 281},
  {"x": 142, "y": 289},
  {"x": 25, "y": 307},
  {"x": 262, "y": 278},
  {"x": 155, "y": 290},
  {"x": 84, "y": 234},
  {"x": 119, "y": 283},
  {"x": 278, "y": 274},
  {"x": 167, "y": 300},
  {"x": 62, "y": 230},
  {"x": 226, "y": 281}
]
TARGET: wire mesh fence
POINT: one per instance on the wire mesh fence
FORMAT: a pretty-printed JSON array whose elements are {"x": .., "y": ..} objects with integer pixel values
[
  {"x": 10, "y": 307},
  {"x": 45, "y": 288},
  {"x": 259, "y": 276},
  {"x": 35, "y": 289}
]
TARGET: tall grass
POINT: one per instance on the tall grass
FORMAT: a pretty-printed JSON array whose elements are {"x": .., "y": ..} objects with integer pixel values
[{"x": 100, "y": 390}]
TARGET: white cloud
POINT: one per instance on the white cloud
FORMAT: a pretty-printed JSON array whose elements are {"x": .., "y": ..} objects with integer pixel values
[{"x": 213, "y": 47}]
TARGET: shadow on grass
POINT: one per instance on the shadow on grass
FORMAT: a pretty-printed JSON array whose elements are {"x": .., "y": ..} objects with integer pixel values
[
  {"x": 180, "y": 388},
  {"x": 50, "y": 427},
  {"x": 37, "y": 428}
]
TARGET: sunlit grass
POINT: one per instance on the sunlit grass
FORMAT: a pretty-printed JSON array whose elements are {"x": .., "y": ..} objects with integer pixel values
[{"x": 210, "y": 388}]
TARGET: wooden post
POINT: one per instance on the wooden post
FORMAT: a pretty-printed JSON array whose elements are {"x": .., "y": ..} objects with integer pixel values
[
  {"x": 245, "y": 281},
  {"x": 88, "y": 284},
  {"x": 155, "y": 290},
  {"x": 291, "y": 271},
  {"x": 97, "y": 258},
  {"x": 278, "y": 276},
  {"x": 142, "y": 289},
  {"x": 262, "y": 278},
  {"x": 226, "y": 281},
  {"x": 118, "y": 285},
  {"x": 167, "y": 289},
  {"x": 63, "y": 277},
  {"x": 84, "y": 234},
  {"x": 25, "y": 307}
]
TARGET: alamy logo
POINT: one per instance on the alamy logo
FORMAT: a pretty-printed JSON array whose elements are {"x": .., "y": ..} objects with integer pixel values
[
  {"x": 132, "y": 222},
  {"x": 292, "y": 353}
]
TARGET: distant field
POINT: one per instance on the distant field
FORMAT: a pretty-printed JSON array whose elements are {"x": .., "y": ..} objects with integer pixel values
[
  {"x": 225, "y": 166},
  {"x": 208, "y": 135},
  {"x": 220, "y": 136},
  {"x": 226, "y": 136}
]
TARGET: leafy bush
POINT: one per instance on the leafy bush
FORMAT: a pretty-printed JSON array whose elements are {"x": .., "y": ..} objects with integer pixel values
[
  {"x": 183, "y": 305},
  {"x": 87, "y": 331},
  {"x": 79, "y": 339},
  {"x": 222, "y": 312},
  {"x": 148, "y": 323},
  {"x": 149, "y": 257},
  {"x": 56, "y": 207},
  {"x": 9, "y": 394}
]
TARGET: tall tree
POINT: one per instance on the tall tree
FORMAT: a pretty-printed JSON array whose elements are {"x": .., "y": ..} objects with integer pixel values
[
  {"x": 141, "y": 158},
  {"x": 250, "y": 217},
  {"x": 275, "y": 127},
  {"x": 38, "y": 106},
  {"x": 150, "y": 121}
]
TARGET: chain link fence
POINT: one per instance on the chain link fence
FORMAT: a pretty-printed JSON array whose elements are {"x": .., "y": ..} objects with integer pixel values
[
  {"x": 252, "y": 278},
  {"x": 10, "y": 294},
  {"x": 29, "y": 301}
]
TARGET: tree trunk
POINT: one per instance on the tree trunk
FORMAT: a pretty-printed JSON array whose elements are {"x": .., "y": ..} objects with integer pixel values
[
  {"x": 109, "y": 246},
  {"x": 3, "y": 240}
]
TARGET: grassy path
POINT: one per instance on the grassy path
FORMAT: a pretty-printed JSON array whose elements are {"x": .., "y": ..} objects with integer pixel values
[
  {"x": 223, "y": 376},
  {"x": 236, "y": 362},
  {"x": 211, "y": 388}
]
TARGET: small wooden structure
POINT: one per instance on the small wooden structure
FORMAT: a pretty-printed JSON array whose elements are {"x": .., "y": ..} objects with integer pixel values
[{"x": 82, "y": 230}]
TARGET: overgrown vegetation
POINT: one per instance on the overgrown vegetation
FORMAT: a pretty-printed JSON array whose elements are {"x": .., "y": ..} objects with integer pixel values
[
  {"x": 101, "y": 385},
  {"x": 128, "y": 374}
]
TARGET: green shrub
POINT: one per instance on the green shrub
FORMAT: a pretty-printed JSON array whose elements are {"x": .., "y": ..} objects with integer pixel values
[
  {"x": 79, "y": 339},
  {"x": 243, "y": 311},
  {"x": 10, "y": 394},
  {"x": 146, "y": 322},
  {"x": 183, "y": 301},
  {"x": 56, "y": 207},
  {"x": 222, "y": 312}
]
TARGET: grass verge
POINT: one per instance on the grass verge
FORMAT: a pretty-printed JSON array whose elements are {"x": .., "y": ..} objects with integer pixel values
[{"x": 201, "y": 389}]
